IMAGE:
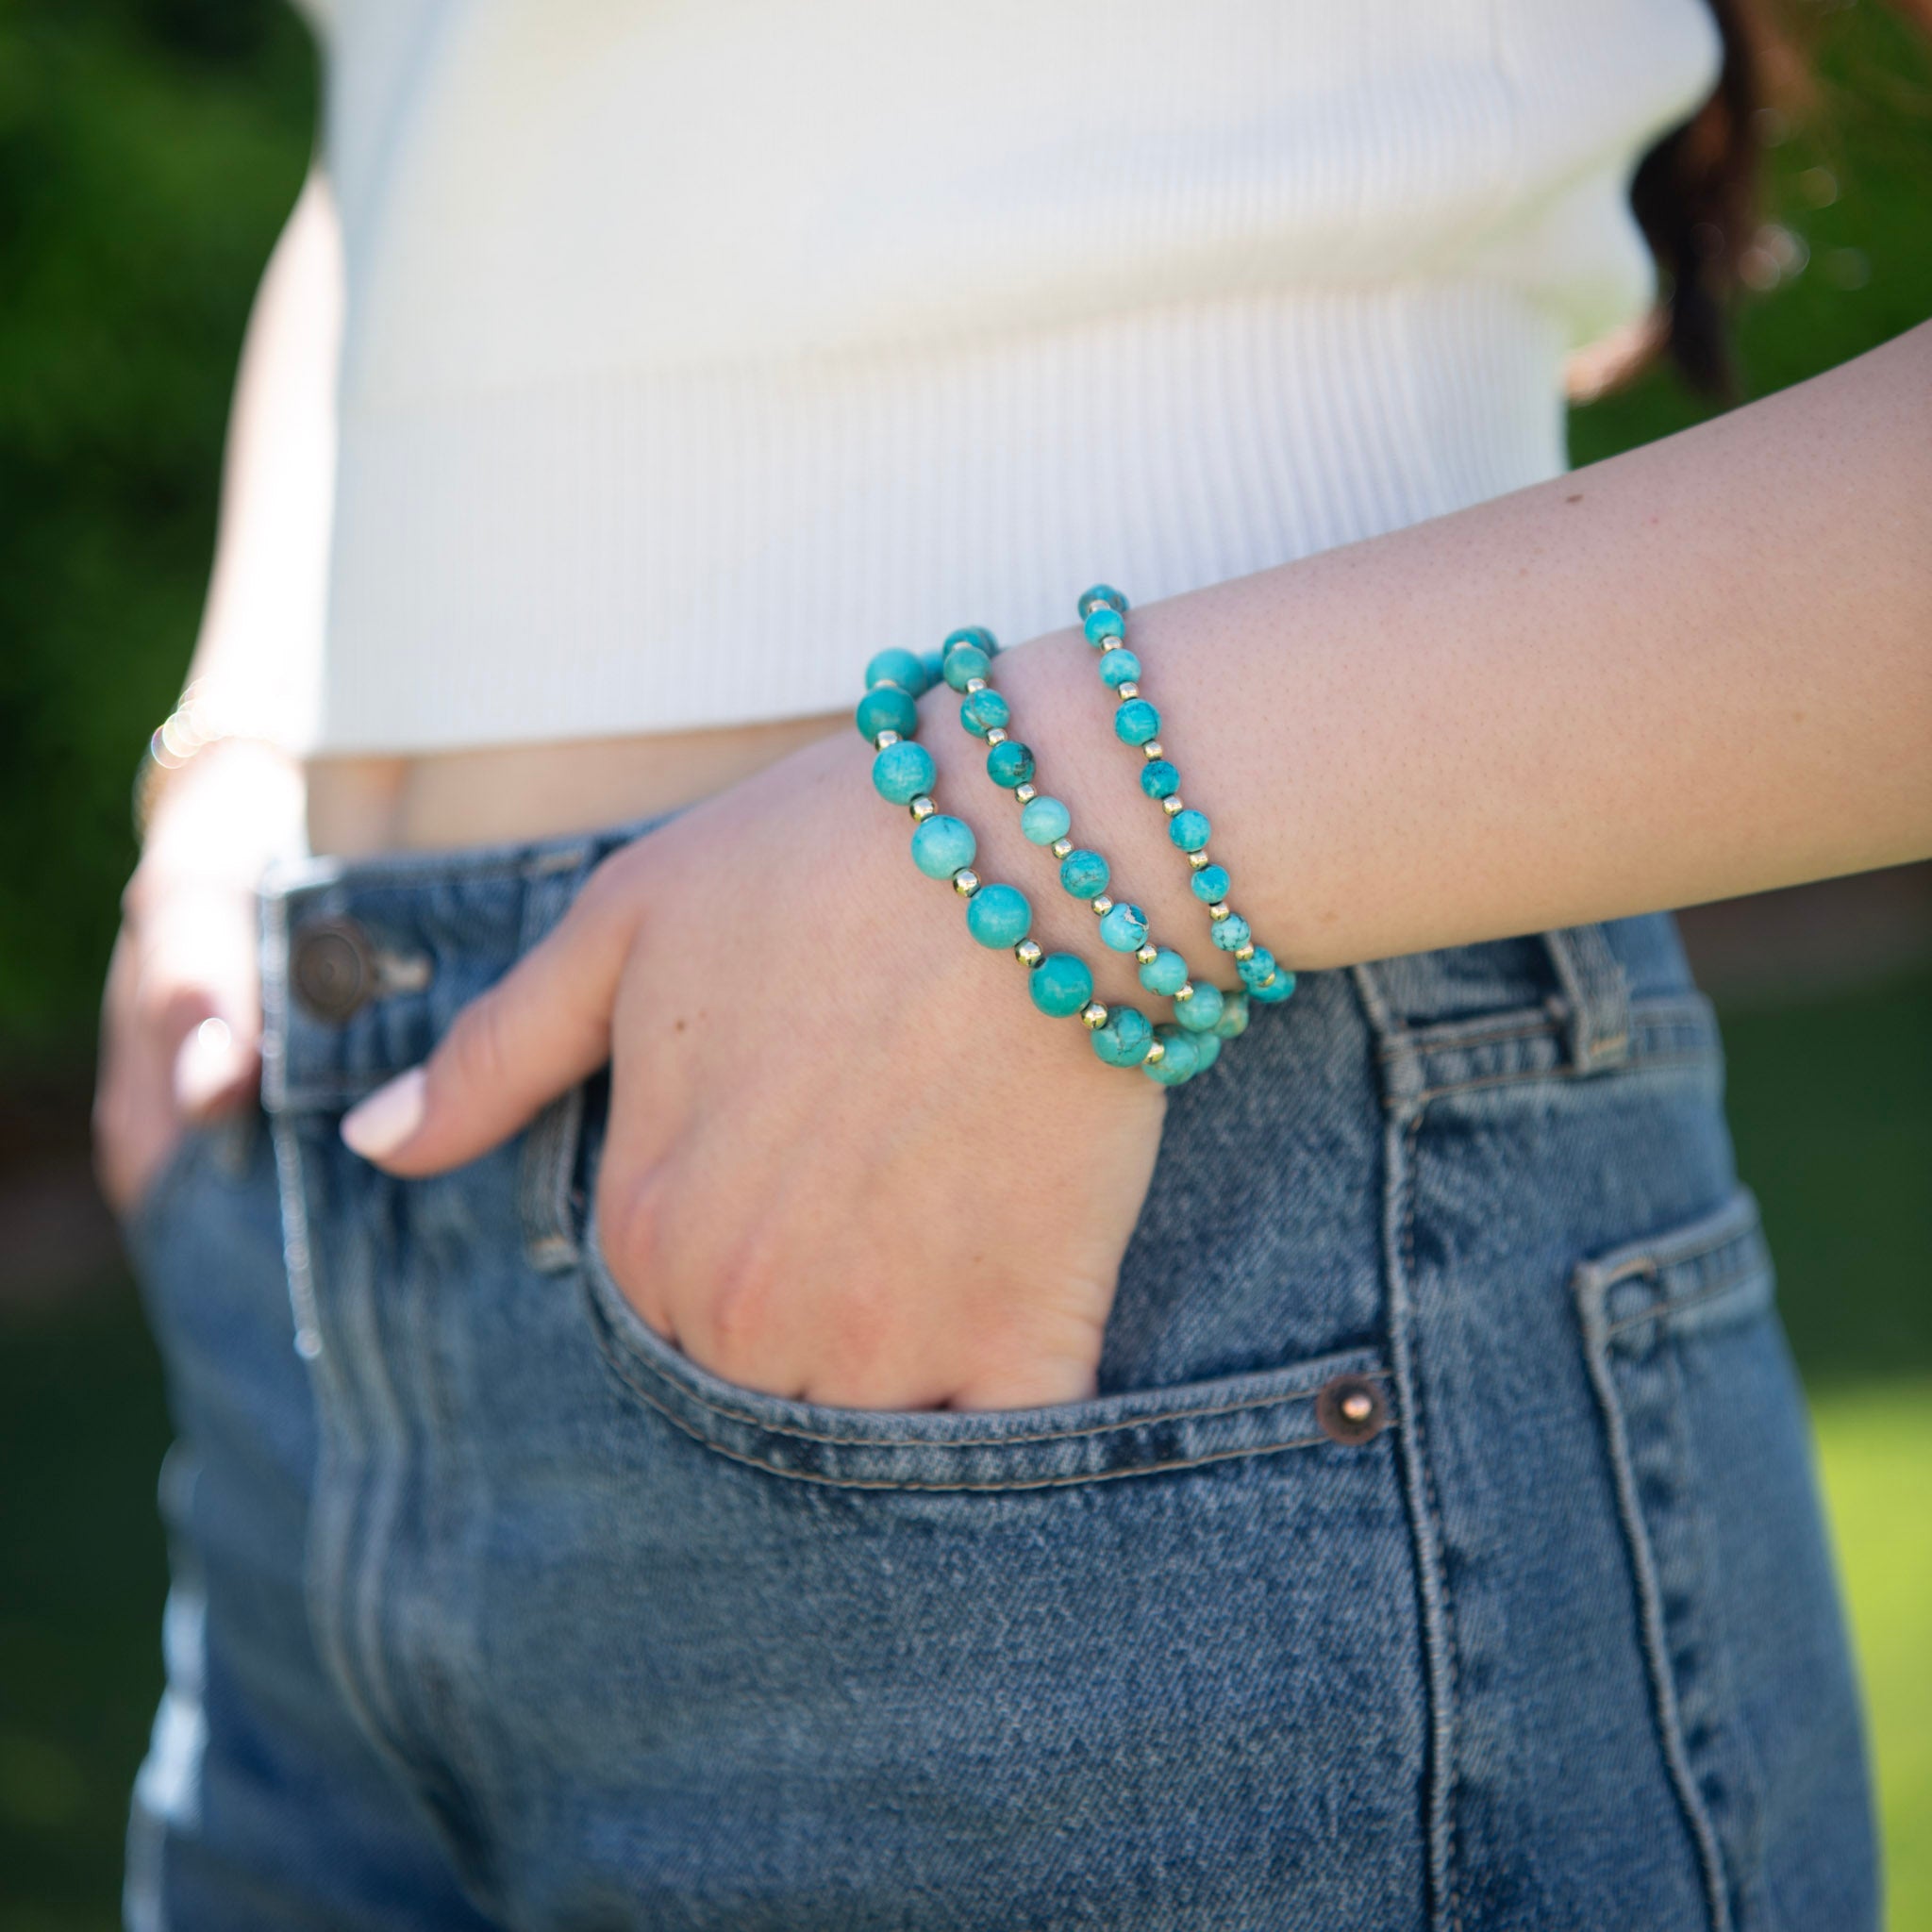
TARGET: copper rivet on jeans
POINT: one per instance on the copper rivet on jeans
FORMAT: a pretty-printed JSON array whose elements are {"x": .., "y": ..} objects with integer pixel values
[
  {"x": 332, "y": 970},
  {"x": 1351, "y": 1408}
]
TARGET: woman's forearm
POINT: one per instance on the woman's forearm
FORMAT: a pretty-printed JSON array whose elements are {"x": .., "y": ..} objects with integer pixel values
[{"x": 1701, "y": 669}]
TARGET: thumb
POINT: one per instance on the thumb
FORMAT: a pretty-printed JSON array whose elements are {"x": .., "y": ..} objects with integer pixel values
[
  {"x": 541, "y": 1029},
  {"x": 216, "y": 1066}
]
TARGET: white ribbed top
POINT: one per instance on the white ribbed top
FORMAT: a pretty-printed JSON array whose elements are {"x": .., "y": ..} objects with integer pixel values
[{"x": 695, "y": 351}]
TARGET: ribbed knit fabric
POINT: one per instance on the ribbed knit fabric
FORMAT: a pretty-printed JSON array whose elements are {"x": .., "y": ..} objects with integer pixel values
[{"x": 693, "y": 354}]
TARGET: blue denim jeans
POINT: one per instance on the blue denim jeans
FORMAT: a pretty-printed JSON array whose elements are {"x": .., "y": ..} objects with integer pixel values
[{"x": 1441, "y": 1551}]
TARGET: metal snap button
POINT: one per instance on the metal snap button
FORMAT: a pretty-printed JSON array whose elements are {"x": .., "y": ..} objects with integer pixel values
[
  {"x": 332, "y": 968},
  {"x": 1351, "y": 1408}
]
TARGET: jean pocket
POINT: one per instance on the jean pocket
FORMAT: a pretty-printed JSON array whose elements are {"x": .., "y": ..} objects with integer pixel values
[
  {"x": 146, "y": 1223},
  {"x": 1336, "y": 1404}
]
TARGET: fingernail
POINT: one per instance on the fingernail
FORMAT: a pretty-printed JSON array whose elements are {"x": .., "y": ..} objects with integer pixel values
[{"x": 378, "y": 1126}]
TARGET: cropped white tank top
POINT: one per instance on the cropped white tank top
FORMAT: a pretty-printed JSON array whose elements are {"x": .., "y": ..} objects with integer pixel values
[{"x": 695, "y": 349}]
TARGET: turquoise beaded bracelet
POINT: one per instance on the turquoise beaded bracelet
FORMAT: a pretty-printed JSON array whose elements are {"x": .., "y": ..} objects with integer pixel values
[{"x": 1103, "y": 617}]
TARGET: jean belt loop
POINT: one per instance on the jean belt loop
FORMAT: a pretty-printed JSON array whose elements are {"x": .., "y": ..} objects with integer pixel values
[{"x": 1595, "y": 995}]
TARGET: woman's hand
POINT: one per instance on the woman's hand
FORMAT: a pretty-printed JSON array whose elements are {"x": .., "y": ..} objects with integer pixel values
[
  {"x": 181, "y": 1016},
  {"x": 847, "y": 1161}
]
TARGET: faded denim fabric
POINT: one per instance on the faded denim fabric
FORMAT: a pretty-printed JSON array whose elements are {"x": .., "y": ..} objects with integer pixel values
[{"x": 491, "y": 1609}]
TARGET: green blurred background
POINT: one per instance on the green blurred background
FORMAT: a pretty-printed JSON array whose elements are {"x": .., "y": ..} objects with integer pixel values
[{"x": 148, "y": 152}]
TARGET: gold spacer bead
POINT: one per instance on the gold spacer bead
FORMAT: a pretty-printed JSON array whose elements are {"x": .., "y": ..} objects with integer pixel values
[
  {"x": 1028, "y": 953},
  {"x": 1184, "y": 991},
  {"x": 1092, "y": 1016},
  {"x": 1246, "y": 951},
  {"x": 1061, "y": 847},
  {"x": 1198, "y": 861},
  {"x": 884, "y": 739},
  {"x": 922, "y": 807},
  {"x": 1126, "y": 691},
  {"x": 1024, "y": 793},
  {"x": 1152, "y": 750},
  {"x": 1172, "y": 806},
  {"x": 1155, "y": 1054},
  {"x": 998, "y": 735},
  {"x": 1103, "y": 905},
  {"x": 965, "y": 882},
  {"x": 1148, "y": 954},
  {"x": 1218, "y": 910},
  {"x": 1259, "y": 983},
  {"x": 975, "y": 686}
]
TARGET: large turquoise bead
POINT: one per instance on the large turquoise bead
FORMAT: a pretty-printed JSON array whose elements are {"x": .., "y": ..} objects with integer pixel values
[
  {"x": 933, "y": 663},
  {"x": 886, "y": 707},
  {"x": 1198, "y": 1013},
  {"x": 984, "y": 711},
  {"x": 1083, "y": 875},
  {"x": 1009, "y": 764},
  {"x": 1062, "y": 984},
  {"x": 1178, "y": 1058},
  {"x": 1278, "y": 988},
  {"x": 1125, "y": 1038},
  {"x": 1043, "y": 820},
  {"x": 1160, "y": 779},
  {"x": 1210, "y": 884},
  {"x": 1255, "y": 970},
  {"x": 1165, "y": 973},
  {"x": 1105, "y": 625},
  {"x": 1229, "y": 934},
  {"x": 903, "y": 668},
  {"x": 1096, "y": 594},
  {"x": 1136, "y": 722},
  {"x": 1189, "y": 830},
  {"x": 1206, "y": 1050},
  {"x": 1234, "y": 1017},
  {"x": 941, "y": 845},
  {"x": 964, "y": 663},
  {"x": 998, "y": 915},
  {"x": 1124, "y": 929},
  {"x": 902, "y": 772},
  {"x": 1117, "y": 668},
  {"x": 974, "y": 634}
]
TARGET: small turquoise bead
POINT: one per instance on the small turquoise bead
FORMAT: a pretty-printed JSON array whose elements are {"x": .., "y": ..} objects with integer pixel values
[
  {"x": 885, "y": 709},
  {"x": 1165, "y": 973},
  {"x": 964, "y": 663},
  {"x": 1125, "y": 1038},
  {"x": 933, "y": 662},
  {"x": 984, "y": 711},
  {"x": 1199, "y": 1013},
  {"x": 1229, "y": 933},
  {"x": 1189, "y": 830},
  {"x": 1258, "y": 969},
  {"x": 1179, "y": 1058},
  {"x": 998, "y": 915},
  {"x": 1062, "y": 984},
  {"x": 902, "y": 772},
  {"x": 974, "y": 634},
  {"x": 1136, "y": 722},
  {"x": 1104, "y": 626},
  {"x": 1124, "y": 929},
  {"x": 1117, "y": 668},
  {"x": 941, "y": 845},
  {"x": 1160, "y": 779},
  {"x": 1083, "y": 875},
  {"x": 1043, "y": 820},
  {"x": 1234, "y": 1017},
  {"x": 1206, "y": 1050},
  {"x": 1009, "y": 764},
  {"x": 1270, "y": 995},
  {"x": 1096, "y": 594},
  {"x": 1210, "y": 884},
  {"x": 903, "y": 668}
]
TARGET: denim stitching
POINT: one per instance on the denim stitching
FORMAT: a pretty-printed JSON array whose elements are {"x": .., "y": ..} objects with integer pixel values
[
  {"x": 1667, "y": 1310},
  {"x": 1636, "y": 1063}
]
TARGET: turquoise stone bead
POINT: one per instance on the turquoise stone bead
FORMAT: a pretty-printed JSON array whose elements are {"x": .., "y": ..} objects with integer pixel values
[
  {"x": 1198, "y": 1014},
  {"x": 1258, "y": 969},
  {"x": 1125, "y": 1038},
  {"x": 1206, "y": 1050},
  {"x": 1096, "y": 594},
  {"x": 1160, "y": 779},
  {"x": 1136, "y": 722},
  {"x": 998, "y": 915},
  {"x": 974, "y": 634},
  {"x": 1229, "y": 933},
  {"x": 1043, "y": 820},
  {"x": 902, "y": 772},
  {"x": 1009, "y": 764},
  {"x": 1234, "y": 1017},
  {"x": 1124, "y": 929},
  {"x": 1178, "y": 1060},
  {"x": 941, "y": 845},
  {"x": 933, "y": 662},
  {"x": 1117, "y": 668},
  {"x": 1105, "y": 625},
  {"x": 1165, "y": 973},
  {"x": 1083, "y": 875},
  {"x": 1062, "y": 984},
  {"x": 1189, "y": 830},
  {"x": 1210, "y": 884},
  {"x": 885, "y": 709},
  {"x": 1282, "y": 987},
  {"x": 902, "y": 668},
  {"x": 964, "y": 663},
  {"x": 983, "y": 711}
]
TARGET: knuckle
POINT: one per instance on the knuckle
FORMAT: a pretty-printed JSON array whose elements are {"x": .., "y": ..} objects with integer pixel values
[
  {"x": 734, "y": 1328},
  {"x": 630, "y": 1233},
  {"x": 477, "y": 1051}
]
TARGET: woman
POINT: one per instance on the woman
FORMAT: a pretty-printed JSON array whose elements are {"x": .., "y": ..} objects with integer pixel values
[{"x": 864, "y": 1461}]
